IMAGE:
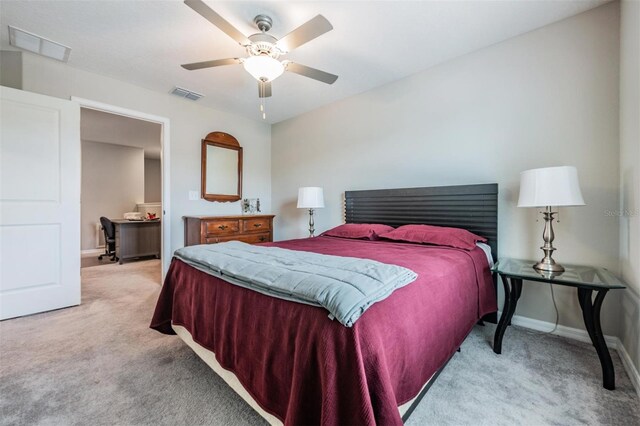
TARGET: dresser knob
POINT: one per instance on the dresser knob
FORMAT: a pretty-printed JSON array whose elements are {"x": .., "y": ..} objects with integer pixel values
[
  {"x": 222, "y": 227},
  {"x": 257, "y": 225},
  {"x": 262, "y": 239}
]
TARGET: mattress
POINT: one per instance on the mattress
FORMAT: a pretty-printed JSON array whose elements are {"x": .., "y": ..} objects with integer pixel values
[{"x": 300, "y": 367}]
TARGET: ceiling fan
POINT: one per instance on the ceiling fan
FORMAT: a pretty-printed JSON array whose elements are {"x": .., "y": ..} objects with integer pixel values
[{"x": 264, "y": 49}]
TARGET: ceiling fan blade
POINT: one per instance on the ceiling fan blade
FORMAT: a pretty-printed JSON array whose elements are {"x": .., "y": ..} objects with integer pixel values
[
  {"x": 217, "y": 20},
  {"x": 209, "y": 64},
  {"x": 314, "y": 73},
  {"x": 264, "y": 89},
  {"x": 304, "y": 33}
]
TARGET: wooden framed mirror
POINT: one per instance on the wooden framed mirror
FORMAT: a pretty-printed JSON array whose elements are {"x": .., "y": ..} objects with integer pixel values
[{"x": 221, "y": 167}]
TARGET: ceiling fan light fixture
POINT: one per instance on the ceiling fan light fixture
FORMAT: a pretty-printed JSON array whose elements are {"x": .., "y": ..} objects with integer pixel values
[{"x": 263, "y": 68}]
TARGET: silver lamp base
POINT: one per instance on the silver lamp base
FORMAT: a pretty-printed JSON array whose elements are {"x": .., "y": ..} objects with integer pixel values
[
  {"x": 547, "y": 263},
  {"x": 312, "y": 229}
]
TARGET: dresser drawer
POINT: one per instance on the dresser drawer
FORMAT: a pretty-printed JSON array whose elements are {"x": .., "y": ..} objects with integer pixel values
[
  {"x": 218, "y": 229},
  {"x": 256, "y": 225},
  {"x": 222, "y": 227},
  {"x": 247, "y": 238}
]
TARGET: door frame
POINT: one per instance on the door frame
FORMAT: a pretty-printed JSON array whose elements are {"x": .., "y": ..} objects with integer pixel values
[{"x": 165, "y": 141}]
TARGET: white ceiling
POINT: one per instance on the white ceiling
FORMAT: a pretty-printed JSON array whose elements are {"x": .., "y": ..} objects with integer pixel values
[
  {"x": 98, "y": 126},
  {"x": 372, "y": 43}
]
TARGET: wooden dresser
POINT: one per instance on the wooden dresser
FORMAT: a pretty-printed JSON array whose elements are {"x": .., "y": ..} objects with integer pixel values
[{"x": 217, "y": 229}]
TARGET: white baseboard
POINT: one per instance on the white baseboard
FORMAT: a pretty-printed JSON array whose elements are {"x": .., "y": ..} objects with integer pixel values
[
  {"x": 631, "y": 369},
  {"x": 613, "y": 342},
  {"x": 630, "y": 316},
  {"x": 91, "y": 252},
  {"x": 562, "y": 330}
]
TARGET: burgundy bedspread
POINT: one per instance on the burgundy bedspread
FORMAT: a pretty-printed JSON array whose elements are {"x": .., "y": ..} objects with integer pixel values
[{"x": 303, "y": 367}]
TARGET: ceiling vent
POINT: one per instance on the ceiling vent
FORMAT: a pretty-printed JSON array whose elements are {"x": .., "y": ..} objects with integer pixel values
[
  {"x": 184, "y": 93},
  {"x": 36, "y": 44}
]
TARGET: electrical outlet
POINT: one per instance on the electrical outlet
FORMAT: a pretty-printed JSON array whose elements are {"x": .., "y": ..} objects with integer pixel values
[{"x": 194, "y": 196}]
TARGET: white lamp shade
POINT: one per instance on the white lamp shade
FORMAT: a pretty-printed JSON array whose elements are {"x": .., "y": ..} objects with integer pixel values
[
  {"x": 550, "y": 186},
  {"x": 310, "y": 197},
  {"x": 263, "y": 67}
]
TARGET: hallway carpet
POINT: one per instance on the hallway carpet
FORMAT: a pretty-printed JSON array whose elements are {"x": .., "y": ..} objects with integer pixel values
[{"x": 100, "y": 364}]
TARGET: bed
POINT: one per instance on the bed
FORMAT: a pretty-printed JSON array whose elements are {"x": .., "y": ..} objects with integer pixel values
[{"x": 294, "y": 365}]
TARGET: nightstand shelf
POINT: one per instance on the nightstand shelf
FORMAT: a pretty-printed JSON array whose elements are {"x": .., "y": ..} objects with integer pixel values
[{"x": 586, "y": 279}]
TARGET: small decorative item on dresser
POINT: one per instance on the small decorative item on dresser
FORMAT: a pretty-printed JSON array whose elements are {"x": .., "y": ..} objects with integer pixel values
[
  {"x": 251, "y": 205},
  {"x": 310, "y": 197},
  {"x": 549, "y": 187}
]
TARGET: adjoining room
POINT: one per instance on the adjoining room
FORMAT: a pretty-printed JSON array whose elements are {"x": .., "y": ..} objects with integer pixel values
[{"x": 121, "y": 196}]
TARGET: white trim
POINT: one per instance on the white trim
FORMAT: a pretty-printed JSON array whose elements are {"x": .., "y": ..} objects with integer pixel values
[
  {"x": 562, "y": 330},
  {"x": 91, "y": 252},
  {"x": 613, "y": 342},
  {"x": 164, "y": 156},
  {"x": 631, "y": 369},
  {"x": 629, "y": 311}
]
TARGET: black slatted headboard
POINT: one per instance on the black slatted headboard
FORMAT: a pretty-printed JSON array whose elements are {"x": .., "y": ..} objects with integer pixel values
[{"x": 471, "y": 207}]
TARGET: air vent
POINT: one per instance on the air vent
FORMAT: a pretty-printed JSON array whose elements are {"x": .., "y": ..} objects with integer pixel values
[
  {"x": 36, "y": 44},
  {"x": 184, "y": 93}
]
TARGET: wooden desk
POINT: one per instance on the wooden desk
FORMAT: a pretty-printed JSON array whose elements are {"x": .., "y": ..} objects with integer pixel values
[{"x": 137, "y": 238}]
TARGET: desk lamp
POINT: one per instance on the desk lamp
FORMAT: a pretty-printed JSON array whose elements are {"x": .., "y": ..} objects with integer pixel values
[
  {"x": 310, "y": 197},
  {"x": 549, "y": 187}
]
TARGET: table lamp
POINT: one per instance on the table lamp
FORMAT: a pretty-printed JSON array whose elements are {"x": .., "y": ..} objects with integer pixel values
[
  {"x": 310, "y": 197},
  {"x": 549, "y": 187}
]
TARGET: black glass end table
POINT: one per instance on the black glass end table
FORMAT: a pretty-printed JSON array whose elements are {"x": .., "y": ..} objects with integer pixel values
[{"x": 585, "y": 279}]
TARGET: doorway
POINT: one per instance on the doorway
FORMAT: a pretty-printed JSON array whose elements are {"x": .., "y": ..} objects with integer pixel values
[{"x": 124, "y": 176}]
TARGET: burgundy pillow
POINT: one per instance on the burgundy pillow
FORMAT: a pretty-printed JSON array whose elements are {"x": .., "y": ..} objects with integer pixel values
[
  {"x": 365, "y": 231},
  {"x": 436, "y": 235}
]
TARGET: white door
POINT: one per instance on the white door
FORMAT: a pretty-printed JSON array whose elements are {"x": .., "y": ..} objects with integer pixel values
[{"x": 39, "y": 203}]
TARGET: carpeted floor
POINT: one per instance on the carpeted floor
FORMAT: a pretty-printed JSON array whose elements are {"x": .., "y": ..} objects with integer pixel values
[
  {"x": 91, "y": 261},
  {"x": 100, "y": 364}
]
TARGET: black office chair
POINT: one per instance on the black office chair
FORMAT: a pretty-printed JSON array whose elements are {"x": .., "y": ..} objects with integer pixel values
[{"x": 109, "y": 239}]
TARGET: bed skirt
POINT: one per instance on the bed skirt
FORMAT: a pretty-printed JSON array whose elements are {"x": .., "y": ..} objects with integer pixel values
[{"x": 210, "y": 359}]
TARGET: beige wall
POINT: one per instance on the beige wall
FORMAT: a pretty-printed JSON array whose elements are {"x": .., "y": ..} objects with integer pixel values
[
  {"x": 546, "y": 98},
  {"x": 190, "y": 122},
  {"x": 112, "y": 184},
  {"x": 630, "y": 175},
  {"x": 152, "y": 180}
]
